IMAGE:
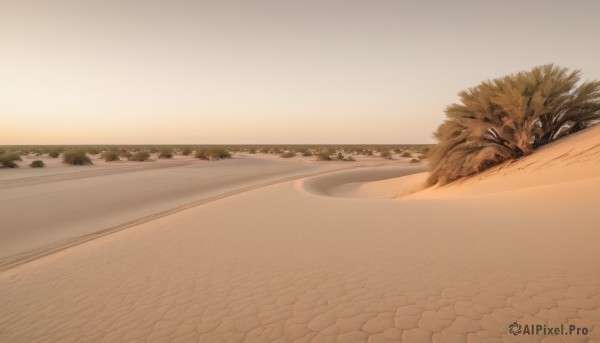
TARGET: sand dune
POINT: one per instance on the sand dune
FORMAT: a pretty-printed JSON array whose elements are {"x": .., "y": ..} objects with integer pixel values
[{"x": 328, "y": 259}]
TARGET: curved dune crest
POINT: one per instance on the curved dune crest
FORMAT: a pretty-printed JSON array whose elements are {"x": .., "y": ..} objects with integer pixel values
[{"x": 378, "y": 182}]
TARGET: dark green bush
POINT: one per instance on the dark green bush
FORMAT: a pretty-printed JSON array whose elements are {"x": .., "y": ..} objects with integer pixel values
[
  {"x": 54, "y": 153},
  {"x": 93, "y": 151},
  {"x": 76, "y": 157},
  {"x": 37, "y": 164},
  {"x": 165, "y": 153},
  {"x": 186, "y": 151},
  {"x": 7, "y": 160},
  {"x": 212, "y": 154},
  {"x": 323, "y": 156},
  {"x": 385, "y": 153},
  {"x": 111, "y": 155},
  {"x": 140, "y": 156}
]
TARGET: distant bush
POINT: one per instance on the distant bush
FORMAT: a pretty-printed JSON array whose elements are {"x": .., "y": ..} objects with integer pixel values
[
  {"x": 340, "y": 156},
  {"x": 2, "y": 151},
  {"x": 350, "y": 158},
  {"x": 406, "y": 154},
  {"x": 7, "y": 160},
  {"x": 153, "y": 150},
  {"x": 111, "y": 155},
  {"x": 276, "y": 150},
  {"x": 252, "y": 151},
  {"x": 307, "y": 153},
  {"x": 93, "y": 151},
  {"x": 186, "y": 151},
  {"x": 76, "y": 157},
  {"x": 288, "y": 154},
  {"x": 54, "y": 153},
  {"x": 385, "y": 153},
  {"x": 367, "y": 152},
  {"x": 323, "y": 156},
  {"x": 165, "y": 153},
  {"x": 212, "y": 154},
  {"x": 37, "y": 164},
  {"x": 414, "y": 160},
  {"x": 140, "y": 156}
]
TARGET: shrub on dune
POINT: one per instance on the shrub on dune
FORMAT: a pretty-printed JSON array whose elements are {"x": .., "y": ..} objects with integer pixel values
[
  {"x": 509, "y": 117},
  {"x": 54, "y": 153},
  {"x": 385, "y": 153},
  {"x": 93, "y": 151},
  {"x": 288, "y": 154},
  {"x": 165, "y": 153},
  {"x": 212, "y": 154},
  {"x": 186, "y": 151},
  {"x": 7, "y": 159},
  {"x": 111, "y": 155},
  {"x": 406, "y": 154},
  {"x": 76, "y": 157},
  {"x": 140, "y": 156},
  {"x": 323, "y": 156},
  {"x": 37, "y": 164},
  {"x": 414, "y": 160}
]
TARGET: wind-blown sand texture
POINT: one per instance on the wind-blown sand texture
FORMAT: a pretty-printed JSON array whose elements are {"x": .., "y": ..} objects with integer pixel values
[{"x": 323, "y": 260}]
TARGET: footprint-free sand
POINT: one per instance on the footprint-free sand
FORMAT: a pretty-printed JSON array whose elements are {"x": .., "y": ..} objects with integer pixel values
[{"x": 342, "y": 256}]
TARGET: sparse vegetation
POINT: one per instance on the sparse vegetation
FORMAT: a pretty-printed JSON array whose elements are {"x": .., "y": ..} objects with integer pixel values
[
  {"x": 406, "y": 154},
  {"x": 93, "y": 151},
  {"x": 186, "y": 151},
  {"x": 414, "y": 160},
  {"x": 76, "y": 157},
  {"x": 323, "y": 156},
  {"x": 252, "y": 151},
  {"x": 340, "y": 156},
  {"x": 350, "y": 159},
  {"x": 54, "y": 153},
  {"x": 7, "y": 159},
  {"x": 509, "y": 117},
  {"x": 111, "y": 155},
  {"x": 288, "y": 154},
  {"x": 385, "y": 153},
  {"x": 212, "y": 154},
  {"x": 165, "y": 153},
  {"x": 140, "y": 156},
  {"x": 37, "y": 164}
]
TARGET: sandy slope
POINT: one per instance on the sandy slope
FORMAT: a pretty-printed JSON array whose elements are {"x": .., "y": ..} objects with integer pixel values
[
  {"x": 46, "y": 206},
  {"x": 291, "y": 262}
]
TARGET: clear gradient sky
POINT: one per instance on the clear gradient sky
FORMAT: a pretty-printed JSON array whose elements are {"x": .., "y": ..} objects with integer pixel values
[{"x": 270, "y": 71}]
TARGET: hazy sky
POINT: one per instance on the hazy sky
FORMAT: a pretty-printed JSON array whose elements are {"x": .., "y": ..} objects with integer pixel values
[{"x": 345, "y": 71}]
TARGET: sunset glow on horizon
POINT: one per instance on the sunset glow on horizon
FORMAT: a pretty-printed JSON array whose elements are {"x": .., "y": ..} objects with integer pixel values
[{"x": 270, "y": 72}]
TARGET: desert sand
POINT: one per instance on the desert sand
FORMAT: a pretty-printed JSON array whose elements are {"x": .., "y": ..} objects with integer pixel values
[{"x": 342, "y": 256}]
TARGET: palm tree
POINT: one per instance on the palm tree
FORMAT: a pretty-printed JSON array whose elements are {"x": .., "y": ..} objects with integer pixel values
[{"x": 509, "y": 117}]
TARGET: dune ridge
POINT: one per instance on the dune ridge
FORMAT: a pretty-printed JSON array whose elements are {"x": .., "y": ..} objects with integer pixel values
[{"x": 281, "y": 263}]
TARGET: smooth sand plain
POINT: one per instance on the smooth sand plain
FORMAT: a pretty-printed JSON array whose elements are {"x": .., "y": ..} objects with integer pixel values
[{"x": 338, "y": 259}]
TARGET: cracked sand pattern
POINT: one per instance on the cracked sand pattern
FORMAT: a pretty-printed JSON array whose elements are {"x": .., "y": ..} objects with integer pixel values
[{"x": 280, "y": 264}]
